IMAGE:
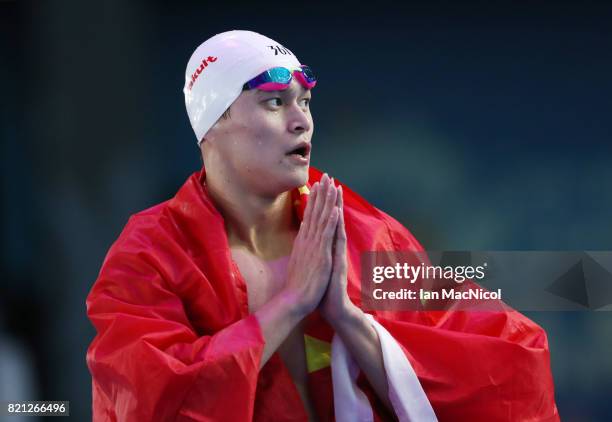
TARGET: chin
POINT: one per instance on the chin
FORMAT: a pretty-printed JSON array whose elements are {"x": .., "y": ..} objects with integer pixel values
[
  {"x": 294, "y": 179},
  {"x": 302, "y": 177}
]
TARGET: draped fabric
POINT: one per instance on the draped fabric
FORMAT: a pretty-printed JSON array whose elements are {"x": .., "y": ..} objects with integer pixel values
[{"x": 175, "y": 340}]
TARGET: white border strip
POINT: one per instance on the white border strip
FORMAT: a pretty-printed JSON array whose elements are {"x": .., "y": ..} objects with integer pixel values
[{"x": 405, "y": 392}]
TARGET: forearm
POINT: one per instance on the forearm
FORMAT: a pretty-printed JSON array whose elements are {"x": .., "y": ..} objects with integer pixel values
[
  {"x": 277, "y": 318},
  {"x": 361, "y": 339},
  {"x": 308, "y": 270}
]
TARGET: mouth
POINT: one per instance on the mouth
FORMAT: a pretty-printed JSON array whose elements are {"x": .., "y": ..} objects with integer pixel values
[{"x": 302, "y": 150}]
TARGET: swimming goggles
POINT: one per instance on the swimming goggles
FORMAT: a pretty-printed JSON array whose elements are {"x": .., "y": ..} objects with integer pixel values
[{"x": 279, "y": 78}]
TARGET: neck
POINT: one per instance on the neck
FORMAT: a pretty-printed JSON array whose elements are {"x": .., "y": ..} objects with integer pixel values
[{"x": 265, "y": 225}]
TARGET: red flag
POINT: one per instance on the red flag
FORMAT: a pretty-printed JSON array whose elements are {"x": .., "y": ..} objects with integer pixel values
[{"x": 175, "y": 340}]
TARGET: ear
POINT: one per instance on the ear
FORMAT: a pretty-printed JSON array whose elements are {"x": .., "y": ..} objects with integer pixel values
[
  {"x": 206, "y": 145},
  {"x": 202, "y": 146},
  {"x": 211, "y": 135}
]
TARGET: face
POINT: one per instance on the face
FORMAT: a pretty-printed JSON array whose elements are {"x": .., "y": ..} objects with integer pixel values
[{"x": 265, "y": 144}]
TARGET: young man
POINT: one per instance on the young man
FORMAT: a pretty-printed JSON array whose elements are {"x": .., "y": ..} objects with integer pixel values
[{"x": 239, "y": 298}]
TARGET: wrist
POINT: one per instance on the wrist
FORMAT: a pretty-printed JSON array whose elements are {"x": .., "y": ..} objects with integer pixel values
[
  {"x": 347, "y": 318},
  {"x": 292, "y": 301}
]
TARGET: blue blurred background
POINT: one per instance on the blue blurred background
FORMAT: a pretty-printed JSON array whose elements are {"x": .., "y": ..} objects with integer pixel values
[{"x": 479, "y": 125}]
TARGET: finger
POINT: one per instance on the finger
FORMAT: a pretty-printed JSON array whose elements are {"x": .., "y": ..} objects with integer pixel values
[
  {"x": 330, "y": 193},
  {"x": 330, "y": 227},
  {"x": 340, "y": 261},
  {"x": 318, "y": 206},
  {"x": 341, "y": 232},
  {"x": 330, "y": 201},
  {"x": 308, "y": 212}
]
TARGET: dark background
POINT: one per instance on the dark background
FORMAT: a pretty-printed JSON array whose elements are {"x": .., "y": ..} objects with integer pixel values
[{"x": 479, "y": 125}]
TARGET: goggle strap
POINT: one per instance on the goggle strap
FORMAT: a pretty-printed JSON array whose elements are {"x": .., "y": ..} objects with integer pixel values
[{"x": 265, "y": 81}]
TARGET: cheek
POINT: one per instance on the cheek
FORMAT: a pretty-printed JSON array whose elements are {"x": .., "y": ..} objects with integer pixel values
[
  {"x": 253, "y": 143},
  {"x": 264, "y": 134},
  {"x": 266, "y": 123}
]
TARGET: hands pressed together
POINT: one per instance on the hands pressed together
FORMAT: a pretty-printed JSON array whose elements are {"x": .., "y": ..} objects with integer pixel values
[
  {"x": 317, "y": 278},
  {"x": 317, "y": 269}
]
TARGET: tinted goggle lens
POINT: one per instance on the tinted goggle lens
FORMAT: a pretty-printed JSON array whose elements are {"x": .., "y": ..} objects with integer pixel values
[
  {"x": 279, "y": 75},
  {"x": 308, "y": 74}
]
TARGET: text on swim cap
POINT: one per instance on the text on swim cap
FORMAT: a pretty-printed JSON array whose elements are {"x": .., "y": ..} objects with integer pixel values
[
  {"x": 199, "y": 70},
  {"x": 279, "y": 49}
]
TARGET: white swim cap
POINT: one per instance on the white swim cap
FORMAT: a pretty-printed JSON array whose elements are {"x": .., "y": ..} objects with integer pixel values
[{"x": 219, "y": 68}]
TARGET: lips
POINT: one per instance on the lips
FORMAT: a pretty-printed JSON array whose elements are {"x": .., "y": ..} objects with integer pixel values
[{"x": 302, "y": 149}]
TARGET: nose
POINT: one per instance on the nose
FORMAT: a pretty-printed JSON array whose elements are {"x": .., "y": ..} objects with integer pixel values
[{"x": 300, "y": 120}]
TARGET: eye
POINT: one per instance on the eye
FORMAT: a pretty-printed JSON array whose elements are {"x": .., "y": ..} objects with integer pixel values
[
  {"x": 305, "y": 102},
  {"x": 274, "y": 102}
]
